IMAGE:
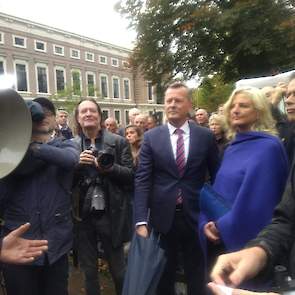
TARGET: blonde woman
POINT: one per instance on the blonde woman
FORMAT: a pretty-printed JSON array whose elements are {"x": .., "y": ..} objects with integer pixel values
[
  {"x": 218, "y": 127},
  {"x": 253, "y": 172}
]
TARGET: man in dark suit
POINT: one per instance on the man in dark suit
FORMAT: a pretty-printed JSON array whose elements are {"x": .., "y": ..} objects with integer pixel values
[{"x": 173, "y": 164}]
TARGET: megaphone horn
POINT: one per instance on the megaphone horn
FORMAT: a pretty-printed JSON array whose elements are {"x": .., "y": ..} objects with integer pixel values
[{"x": 15, "y": 130}]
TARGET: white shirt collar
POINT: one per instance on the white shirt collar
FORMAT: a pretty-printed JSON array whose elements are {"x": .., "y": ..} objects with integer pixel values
[{"x": 184, "y": 128}]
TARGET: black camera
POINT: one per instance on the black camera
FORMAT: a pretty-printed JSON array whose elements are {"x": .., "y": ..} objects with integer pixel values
[{"x": 105, "y": 158}]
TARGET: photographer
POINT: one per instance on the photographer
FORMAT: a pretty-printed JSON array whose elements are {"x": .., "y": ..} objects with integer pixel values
[
  {"x": 101, "y": 196},
  {"x": 38, "y": 191}
]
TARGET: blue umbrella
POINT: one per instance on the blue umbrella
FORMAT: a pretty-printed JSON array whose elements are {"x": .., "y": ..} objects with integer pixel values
[{"x": 146, "y": 262}]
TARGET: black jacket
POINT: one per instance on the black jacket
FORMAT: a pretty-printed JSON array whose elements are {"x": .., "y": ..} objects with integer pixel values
[
  {"x": 119, "y": 181},
  {"x": 278, "y": 238}
]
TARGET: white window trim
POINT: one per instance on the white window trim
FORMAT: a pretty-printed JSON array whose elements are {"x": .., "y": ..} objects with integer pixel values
[
  {"x": 40, "y": 41},
  {"x": 56, "y": 53},
  {"x": 147, "y": 92},
  {"x": 19, "y": 46},
  {"x": 91, "y": 60},
  {"x": 94, "y": 80},
  {"x": 47, "y": 78},
  {"x": 72, "y": 81},
  {"x": 112, "y": 59},
  {"x": 103, "y": 63},
  {"x": 55, "y": 78},
  {"x": 72, "y": 56},
  {"x": 127, "y": 79},
  {"x": 2, "y": 37},
  {"x": 116, "y": 77},
  {"x": 120, "y": 115},
  {"x": 108, "y": 90},
  {"x": 22, "y": 62}
]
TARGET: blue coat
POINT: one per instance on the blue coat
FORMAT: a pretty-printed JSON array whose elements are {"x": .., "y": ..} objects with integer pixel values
[
  {"x": 252, "y": 178},
  {"x": 157, "y": 179},
  {"x": 39, "y": 192}
]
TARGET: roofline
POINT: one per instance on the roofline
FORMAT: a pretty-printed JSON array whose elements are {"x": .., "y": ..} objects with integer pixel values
[{"x": 60, "y": 31}]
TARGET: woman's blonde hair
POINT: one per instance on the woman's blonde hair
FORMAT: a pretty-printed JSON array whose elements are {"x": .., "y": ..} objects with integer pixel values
[
  {"x": 220, "y": 120},
  {"x": 264, "y": 122}
]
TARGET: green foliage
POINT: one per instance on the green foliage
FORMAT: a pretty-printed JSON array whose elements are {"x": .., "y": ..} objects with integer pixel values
[
  {"x": 211, "y": 93},
  {"x": 232, "y": 38}
]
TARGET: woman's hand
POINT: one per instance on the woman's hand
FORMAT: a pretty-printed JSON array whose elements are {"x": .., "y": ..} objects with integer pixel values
[{"x": 211, "y": 232}]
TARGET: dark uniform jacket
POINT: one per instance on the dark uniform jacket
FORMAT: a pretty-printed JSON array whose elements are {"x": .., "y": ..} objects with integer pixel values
[{"x": 39, "y": 192}]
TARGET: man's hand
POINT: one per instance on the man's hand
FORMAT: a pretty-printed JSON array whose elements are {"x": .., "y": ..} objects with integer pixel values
[
  {"x": 211, "y": 232},
  {"x": 87, "y": 158},
  {"x": 234, "y": 268},
  {"x": 17, "y": 250},
  {"x": 216, "y": 290},
  {"x": 142, "y": 231}
]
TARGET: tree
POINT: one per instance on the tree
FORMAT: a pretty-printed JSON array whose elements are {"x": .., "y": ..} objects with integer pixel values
[
  {"x": 211, "y": 93},
  {"x": 232, "y": 38}
]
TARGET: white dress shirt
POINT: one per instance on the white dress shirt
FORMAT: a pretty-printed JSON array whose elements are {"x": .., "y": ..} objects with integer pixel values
[{"x": 174, "y": 137}]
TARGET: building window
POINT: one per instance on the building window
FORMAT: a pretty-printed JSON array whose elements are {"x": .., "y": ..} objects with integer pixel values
[
  {"x": 105, "y": 114},
  {"x": 75, "y": 53},
  {"x": 104, "y": 86},
  {"x": 2, "y": 71},
  {"x": 89, "y": 56},
  {"x": 19, "y": 41},
  {"x": 21, "y": 76},
  {"x": 126, "y": 64},
  {"x": 116, "y": 87},
  {"x": 40, "y": 46},
  {"x": 58, "y": 50},
  {"x": 60, "y": 79},
  {"x": 150, "y": 90},
  {"x": 127, "y": 117},
  {"x": 90, "y": 84},
  {"x": 76, "y": 82},
  {"x": 115, "y": 62},
  {"x": 1, "y": 38},
  {"x": 42, "y": 82},
  {"x": 126, "y": 86},
  {"x": 103, "y": 60},
  {"x": 118, "y": 116}
]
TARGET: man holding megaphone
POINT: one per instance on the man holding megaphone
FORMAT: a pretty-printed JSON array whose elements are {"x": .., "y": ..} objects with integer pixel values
[{"x": 38, "y": 192}]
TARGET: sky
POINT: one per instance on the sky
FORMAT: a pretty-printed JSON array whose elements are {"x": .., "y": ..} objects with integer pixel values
[{"x": 91, "y": 18}]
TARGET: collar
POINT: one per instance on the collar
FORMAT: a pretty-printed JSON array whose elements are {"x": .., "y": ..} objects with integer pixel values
[{"x": 184, "y": 128}]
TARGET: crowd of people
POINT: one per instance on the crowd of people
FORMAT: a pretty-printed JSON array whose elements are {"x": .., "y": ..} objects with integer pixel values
[{"x": 100, "y": 183}]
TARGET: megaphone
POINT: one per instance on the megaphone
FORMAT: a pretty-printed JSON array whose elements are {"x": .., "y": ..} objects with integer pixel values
[{"x": 15, "y": 130}]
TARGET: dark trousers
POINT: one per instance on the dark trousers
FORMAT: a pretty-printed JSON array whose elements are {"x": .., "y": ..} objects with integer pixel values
[
  {"x": 90, "y": 231},
  {"x": 182, "y": 238},
  {"x": 36, "y": 280}
]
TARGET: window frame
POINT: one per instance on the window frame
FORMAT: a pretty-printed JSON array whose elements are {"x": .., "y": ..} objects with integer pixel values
[
  {"x": 72, "y": 81},
  {"x": 106, "y": 60},
  {"x": 100, "y": 88},
  {"x": 120, "y": 116},
  {"x": 90, "y": 60},
  {"x": 21, "y": 37},
  {"x": 40, "y": 50},
  {"x": 55, "y": 77},
  {"x": 42, "y": 65},
  {"x": 22, "y": 62},
  {"x": 94, "y": 83},
  {"x": 114, "y": 59},
  {"x": 2, "y": 34},
  {"x": 126, "y": 79},
  {"x": 78, "y": 51},
  {"x": 119, "y": 92},
  {"x": 56, "y": 53}
]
